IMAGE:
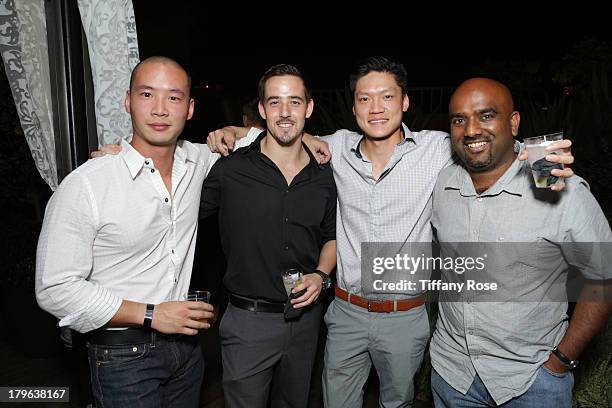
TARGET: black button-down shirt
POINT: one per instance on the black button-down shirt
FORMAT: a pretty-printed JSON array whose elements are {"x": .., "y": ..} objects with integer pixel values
[{"x": 267, "y": 226}]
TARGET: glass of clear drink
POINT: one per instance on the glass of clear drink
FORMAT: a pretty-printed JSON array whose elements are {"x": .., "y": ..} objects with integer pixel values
[
  {"x": 291, "y": 278},
  {"x": 540, "y": 167},
  {"x": 198, "y": 296}
]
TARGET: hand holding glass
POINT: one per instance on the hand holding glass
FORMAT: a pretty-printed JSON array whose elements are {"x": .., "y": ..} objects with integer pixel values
[
  {"x": 540, "y": 167},
  {"x": 198, "y": 296},
  {"x": 291, "y": 279}
]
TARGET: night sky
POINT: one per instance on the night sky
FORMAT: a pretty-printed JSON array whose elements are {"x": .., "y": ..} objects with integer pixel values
[{"x": 226, "y": 48}]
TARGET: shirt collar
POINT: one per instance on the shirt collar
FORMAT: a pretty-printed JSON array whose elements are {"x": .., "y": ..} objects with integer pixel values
[
  {"x": 408, "y": 136},
  {"x": 512, "y": 181},
  {"x": 135, "y": 161},
  {"x": 256, "y": 147}
]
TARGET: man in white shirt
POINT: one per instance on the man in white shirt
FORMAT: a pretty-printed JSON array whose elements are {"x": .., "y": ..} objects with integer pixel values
[{"x": 116, "y": 250}]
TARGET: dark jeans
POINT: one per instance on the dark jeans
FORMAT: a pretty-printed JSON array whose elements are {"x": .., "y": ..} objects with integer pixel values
[{"x": 167, "y": 372}]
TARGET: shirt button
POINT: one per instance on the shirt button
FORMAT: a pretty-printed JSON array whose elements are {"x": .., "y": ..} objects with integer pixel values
[
  {"x": 470, "y": 332},
  {"x": 152, "y": 170},
  {"x": 286, "y": 191},
  {"x": 166, "y": 199},
  {"x": 286, "y": 219},
  {"x": 173, "y": 251},
  {"x": 147, "y": 162},
  {"x": 286, "y": 247},
  {"x": 479, "y": 199}
]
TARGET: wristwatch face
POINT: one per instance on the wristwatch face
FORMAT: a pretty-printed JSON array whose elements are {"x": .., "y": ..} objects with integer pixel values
[{"x": 326, "y": 279}]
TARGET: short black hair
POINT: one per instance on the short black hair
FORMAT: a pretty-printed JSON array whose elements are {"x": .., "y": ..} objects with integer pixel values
[
  {"x": 380, "y": 64},
  {"x": 163, "y": 59},
  {"x": 281, "y": 70},
  {"x": 251, "y": 111}
]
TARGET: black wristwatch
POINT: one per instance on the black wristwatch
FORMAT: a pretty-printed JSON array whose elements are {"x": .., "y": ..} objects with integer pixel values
[
  {"x": 148, "y": 317},
  {"x": 570, "y": 364},
  {"x": 324, "y": 277}
]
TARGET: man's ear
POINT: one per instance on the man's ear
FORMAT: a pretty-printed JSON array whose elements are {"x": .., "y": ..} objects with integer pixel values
[
  {"x": 405, "y": 103},
  {"x": 515, "y": 120},
  {"x": 309, "y": 108},
  {"x": 262, "y": 112},
  {"x": 191, "y": 106},
  {"x": 126, "y": 103}
]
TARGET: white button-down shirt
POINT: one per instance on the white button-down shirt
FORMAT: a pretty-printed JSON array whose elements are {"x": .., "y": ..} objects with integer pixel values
[{"x": 112, "y": 231}]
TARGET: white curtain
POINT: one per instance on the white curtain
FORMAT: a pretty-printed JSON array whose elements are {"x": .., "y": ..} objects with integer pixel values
[
  {"x": 23, "y": 44},
  {"x": 110, "y": 28}
]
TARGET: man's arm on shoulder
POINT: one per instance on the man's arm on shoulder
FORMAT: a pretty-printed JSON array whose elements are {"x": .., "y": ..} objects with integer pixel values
[{"x": 222, "y": 140}]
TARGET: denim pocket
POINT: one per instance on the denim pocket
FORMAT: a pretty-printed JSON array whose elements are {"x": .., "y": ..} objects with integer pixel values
[
  {"x": 114, "y": 355},
  {"x": 554, "y": 374}
]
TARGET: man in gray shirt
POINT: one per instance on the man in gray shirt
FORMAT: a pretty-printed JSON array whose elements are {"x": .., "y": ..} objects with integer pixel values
[{"x": 515, "y": 349}]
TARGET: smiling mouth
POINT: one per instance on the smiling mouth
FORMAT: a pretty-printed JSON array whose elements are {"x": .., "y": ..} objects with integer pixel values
[
  {"x": 377, "y": 121},
  {"x": 476, "y": 147},
  {"x": 285, "y": 124}
]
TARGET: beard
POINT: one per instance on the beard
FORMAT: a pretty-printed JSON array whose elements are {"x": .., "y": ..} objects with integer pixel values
[{"x": 285, "y": 137}]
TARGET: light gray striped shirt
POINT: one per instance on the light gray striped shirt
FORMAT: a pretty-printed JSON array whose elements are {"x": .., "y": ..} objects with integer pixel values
[
  {"x": 395, "y": 208},
  {"x": 506, "y": 341}
]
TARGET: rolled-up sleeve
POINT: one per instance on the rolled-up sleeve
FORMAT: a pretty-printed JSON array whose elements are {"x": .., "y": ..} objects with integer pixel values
[{"x": 64, "y": 260}]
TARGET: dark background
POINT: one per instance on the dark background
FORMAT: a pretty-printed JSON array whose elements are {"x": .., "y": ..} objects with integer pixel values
[{"x": 557, "y": 72}]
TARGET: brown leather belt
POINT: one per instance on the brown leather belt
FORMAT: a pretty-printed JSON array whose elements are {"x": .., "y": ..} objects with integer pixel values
[{"x": 380, "y": 306}]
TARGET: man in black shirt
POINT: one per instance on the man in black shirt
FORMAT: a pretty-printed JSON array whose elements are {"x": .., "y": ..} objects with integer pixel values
[{"x": 277, "y": 211}]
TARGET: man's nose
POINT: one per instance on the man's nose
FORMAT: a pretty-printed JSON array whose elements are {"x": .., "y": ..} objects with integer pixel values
[
  {"x": 376, "y": 106},
  {"x": 159, "y": 108},
  {"x": 285, "y": 112},
  {"x": 473, "y": 128}
]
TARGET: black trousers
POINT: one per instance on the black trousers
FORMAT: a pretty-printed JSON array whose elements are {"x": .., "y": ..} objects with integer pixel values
[{"x": 266, "y": 357}]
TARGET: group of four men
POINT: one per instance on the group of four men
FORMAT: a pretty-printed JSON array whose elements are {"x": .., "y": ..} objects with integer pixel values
[{"x": 116, "y": 249}]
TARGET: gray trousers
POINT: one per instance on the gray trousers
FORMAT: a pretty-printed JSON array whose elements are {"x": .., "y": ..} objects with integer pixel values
[
  {"x": 356, "y": 339},
  {"x": 266, "y": 357}
]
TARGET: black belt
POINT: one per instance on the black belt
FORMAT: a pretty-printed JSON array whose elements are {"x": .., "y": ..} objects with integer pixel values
[
  {"x": 132, "y": 335},
  {"x": 256, "y": 305}
]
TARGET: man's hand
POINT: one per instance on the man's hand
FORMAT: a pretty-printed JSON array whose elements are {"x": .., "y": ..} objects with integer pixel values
[
  {"x": 565, "y": 158},
  {"x": 555, "y": 365},
  {"x": 313, "y": 285},
  {"x": 223, "y": 140},
  {"x": 318, "y": 147},
  {"x": 182, "y": 317},
  {"x": 106, "y": 149}
]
